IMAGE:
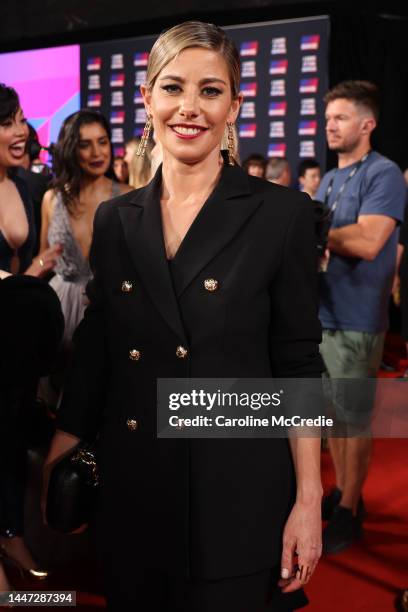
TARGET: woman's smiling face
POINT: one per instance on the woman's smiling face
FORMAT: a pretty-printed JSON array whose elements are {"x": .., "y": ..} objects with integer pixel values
[
  {"x": 13, "y": 139},
  {"x": 191, "y": 102}
]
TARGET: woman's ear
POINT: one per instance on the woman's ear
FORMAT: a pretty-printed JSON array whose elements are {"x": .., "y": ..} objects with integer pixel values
[
  {"x": 235, "y": 106},
  {"x": 146, "y": 94}
]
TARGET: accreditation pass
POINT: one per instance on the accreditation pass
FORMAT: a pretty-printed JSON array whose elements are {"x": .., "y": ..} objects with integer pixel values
[{"x": 38, "y": 598}]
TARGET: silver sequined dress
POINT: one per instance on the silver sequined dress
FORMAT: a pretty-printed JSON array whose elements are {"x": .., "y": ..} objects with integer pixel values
[{"x": 72, "y": 271}]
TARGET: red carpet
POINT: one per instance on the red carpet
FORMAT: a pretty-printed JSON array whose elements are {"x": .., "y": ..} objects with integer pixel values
[
  {"x": 368, "y": 576},
  {"x": 364, "y": 578}
]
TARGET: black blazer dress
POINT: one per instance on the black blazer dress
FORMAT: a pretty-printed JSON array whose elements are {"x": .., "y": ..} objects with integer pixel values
[{"x": 209, "y": 508}]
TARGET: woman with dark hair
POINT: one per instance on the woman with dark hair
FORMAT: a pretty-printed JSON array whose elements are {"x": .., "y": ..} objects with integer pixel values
[
  {"x": 17, "y": 230},
  {"x": 82, "y": 162},
  {"x": 17, "y": 383}
]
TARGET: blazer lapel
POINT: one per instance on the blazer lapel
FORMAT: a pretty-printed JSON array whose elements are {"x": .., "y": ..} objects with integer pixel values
[
  {"x": 142, "y": 227},
  {"x": 222, "y": 216}
]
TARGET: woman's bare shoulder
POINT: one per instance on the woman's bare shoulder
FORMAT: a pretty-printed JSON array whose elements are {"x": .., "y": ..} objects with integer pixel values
[{"x": 48, "y": 201}]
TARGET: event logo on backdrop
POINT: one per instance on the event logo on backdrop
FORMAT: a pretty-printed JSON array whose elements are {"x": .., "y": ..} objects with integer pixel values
[{"x": 283, "y": 79}]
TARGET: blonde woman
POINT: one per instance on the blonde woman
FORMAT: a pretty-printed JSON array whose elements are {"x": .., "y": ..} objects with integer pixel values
[{"x": 194, "y": 275}]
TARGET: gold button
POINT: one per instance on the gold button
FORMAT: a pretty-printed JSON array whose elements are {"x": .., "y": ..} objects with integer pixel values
[
  {"x": 211, "y": 284},
  {"x": 181, "y": 352},
  {"x": 132, "y": 424},
  {"x": 127, "y": 286},
  {"x": 134, "y": 355}
]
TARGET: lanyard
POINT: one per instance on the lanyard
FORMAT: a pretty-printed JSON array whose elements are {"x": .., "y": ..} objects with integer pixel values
[{"x": 343, "y": 186}]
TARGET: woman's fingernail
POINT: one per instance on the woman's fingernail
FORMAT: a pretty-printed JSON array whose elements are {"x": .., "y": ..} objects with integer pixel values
[{"x": 284, "y": 573}]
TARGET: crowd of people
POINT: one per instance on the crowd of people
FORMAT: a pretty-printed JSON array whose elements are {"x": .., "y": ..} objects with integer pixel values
[
  {"x": 277, "y": 170},
  {"x": 150, "y": 285}
]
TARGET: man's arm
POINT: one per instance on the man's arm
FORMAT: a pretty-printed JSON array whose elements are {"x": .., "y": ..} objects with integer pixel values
[{"x": 363, "y": 239}]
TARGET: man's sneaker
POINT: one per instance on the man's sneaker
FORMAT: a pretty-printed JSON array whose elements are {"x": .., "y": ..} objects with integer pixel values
[
  {"x": 330, "y": 503},
  {"x": 332, "y": 500},
  {"x": 387, "y": 367},
  {"x": 342, "y": 530}
]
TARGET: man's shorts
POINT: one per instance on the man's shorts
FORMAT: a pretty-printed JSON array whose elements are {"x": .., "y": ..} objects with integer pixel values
[{"x": 351, "y": 358}]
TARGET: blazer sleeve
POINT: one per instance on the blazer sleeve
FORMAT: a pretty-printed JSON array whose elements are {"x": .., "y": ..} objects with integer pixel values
[
  {"x": 85, "y": 387},
  {"x": 295, "y": 332}
]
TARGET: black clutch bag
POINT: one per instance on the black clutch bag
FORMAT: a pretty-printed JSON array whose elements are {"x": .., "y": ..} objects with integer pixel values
[{"x": 72, "y": 489}]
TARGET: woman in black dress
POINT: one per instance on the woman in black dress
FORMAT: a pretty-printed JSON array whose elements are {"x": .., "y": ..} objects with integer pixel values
[
  {"x": 17, "y": 242},
  {"x": 205, "y": 272},
  {"x": 17, "y": 230}
]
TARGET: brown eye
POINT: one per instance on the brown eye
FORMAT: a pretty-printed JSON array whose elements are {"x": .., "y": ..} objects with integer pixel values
[
  {"x": 211, "y": 92},
  {"x": 171, "y": 88}
]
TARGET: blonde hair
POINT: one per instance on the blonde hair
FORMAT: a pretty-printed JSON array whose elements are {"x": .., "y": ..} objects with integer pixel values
[
  {"x": 193, "y": 34},
  {"x": 140, "y": 167}
]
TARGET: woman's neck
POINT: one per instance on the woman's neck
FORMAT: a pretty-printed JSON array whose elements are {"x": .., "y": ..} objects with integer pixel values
[
  {"x": 90, "y": 183},
  {"x": 3, "y": 174},
  {"x": 183, "y": 181}
]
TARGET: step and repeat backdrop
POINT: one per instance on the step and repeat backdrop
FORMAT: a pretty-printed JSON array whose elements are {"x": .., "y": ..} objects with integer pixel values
[{"x": 284, "y": 77}]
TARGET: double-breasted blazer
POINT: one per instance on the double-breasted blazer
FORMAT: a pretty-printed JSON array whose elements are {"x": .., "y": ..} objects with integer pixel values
[{"x": 207, "y": 508}]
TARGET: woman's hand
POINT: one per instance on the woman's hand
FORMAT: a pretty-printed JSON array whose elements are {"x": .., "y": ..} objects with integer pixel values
[
  {"x": 324, "y": 261},
  {"x": 44, "y": 262},
  {"x": 302, "y": 536}
]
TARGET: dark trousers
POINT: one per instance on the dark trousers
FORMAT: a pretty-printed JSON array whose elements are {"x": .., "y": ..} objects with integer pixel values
[
  {"x": 153, "y": 591},
  {"x": 13, "y": 456}
]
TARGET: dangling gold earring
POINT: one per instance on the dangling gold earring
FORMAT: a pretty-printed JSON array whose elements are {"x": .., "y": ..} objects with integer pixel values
[
  {"x": 231, "y": 144},
  {"x": 145, "y": 137}
]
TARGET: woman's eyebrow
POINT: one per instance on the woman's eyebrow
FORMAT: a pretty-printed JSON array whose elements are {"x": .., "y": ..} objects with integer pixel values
[
  {"x": 212, "y": 80},
  {"x": 201, "y": 82}
]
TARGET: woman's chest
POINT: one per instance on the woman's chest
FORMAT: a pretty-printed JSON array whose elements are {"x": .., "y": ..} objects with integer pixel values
[
  {"x": 228, "y": 293},
  {"x": 81, "y": 227},
  {"x": 13, "y": 217}
]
